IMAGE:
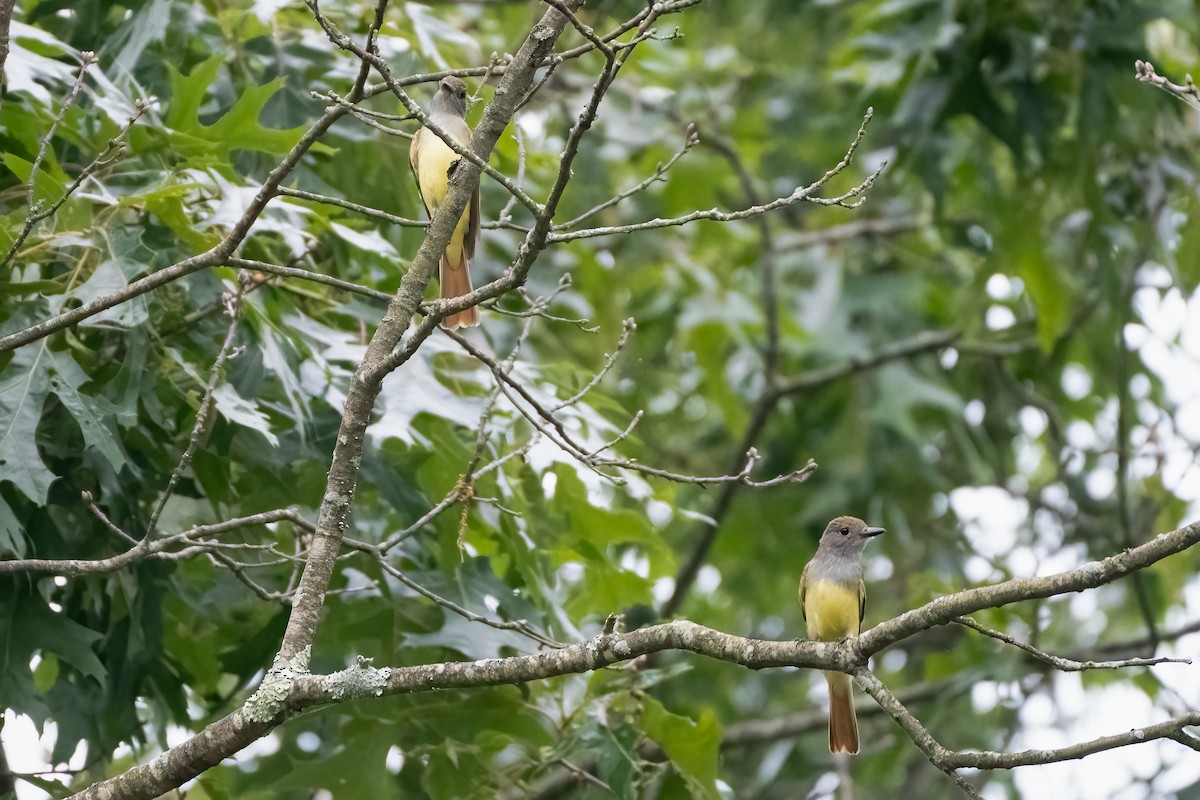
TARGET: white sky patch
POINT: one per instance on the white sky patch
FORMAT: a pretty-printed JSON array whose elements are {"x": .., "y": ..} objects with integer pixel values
[
  {"x": 999, "y": 318},
  {"x": 879, "y": 568},
  {"x": 1076, "y": 381},
  {"x": 991, "y": 518},
  {"x": 973, "y": 412},
  {"x": 708, "y": 579}
]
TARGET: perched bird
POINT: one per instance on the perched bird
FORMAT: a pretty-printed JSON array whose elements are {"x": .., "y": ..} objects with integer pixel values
[
  {"x": 432, "y": 163},
  {"x": 833, "y": 598}
]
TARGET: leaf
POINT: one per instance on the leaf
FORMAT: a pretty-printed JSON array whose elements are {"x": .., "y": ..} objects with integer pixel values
[
  {"x": 107, "y": 278},
  {"x": 46, "y": 673},
  {"x": 40, "y": 628},
  {"x": 12, "y": 533},
  {"x": 22, "y": 396},
  {"x": 237, "y": 129},
  {"x": 95, "y": 414},
  {"x": 1026, "y": 252},
  {"x": 416, "y": 389},
  {"x": 615, "y": 763},
  {"x": 236, "y": 408},
  {"x": 692, "y": 745},
  {"x": 370, "y": 241},
  {"x": 352, "y": 767},
  {"x": 30, "y": 72}
]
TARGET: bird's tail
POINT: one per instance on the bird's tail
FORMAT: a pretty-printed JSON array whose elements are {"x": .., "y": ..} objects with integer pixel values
[
  {"x": 843, "y": 724},
  {"x": 455, "y": 280}
]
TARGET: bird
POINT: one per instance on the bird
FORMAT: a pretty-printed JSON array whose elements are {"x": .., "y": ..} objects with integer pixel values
[
  {"x": 433, "y": 163},
  {"x": 833, "y": 599}
]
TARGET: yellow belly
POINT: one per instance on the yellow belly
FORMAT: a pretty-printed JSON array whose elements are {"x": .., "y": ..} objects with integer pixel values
[
  {"x": 434, "y": 179},
  {"x": 831, "y": 611}
]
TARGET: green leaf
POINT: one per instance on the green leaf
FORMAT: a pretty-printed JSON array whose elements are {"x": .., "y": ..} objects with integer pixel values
[
  {"x": 237, "y": 129},
  {"x": 108, "y": 278},
  {"x": 46, "y": 673},
  {"x": 12, "y": 533},
  {"x": 95, "y": 414},
  {"x": 692, "y": 745},
  {"x": 41, "y": 628},
  {"x": 22, "y": 396},
  {"x": 236, "y": 408}
]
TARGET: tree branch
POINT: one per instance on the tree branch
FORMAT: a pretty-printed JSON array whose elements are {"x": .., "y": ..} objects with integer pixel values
[
  {"x": 1187, "y": 92},
  {"x": 1065, "y": 664},
  {"x": 300, "y": 691},
  {"x": 1095, "y": 573}
]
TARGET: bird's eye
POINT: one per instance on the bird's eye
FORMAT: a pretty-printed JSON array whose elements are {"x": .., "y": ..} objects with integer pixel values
[{"x": 844, "y": 531}]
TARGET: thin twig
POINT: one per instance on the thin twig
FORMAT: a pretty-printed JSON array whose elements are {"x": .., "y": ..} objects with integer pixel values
[
  {"x": 852, "y": 198},
  {"x": 628, "y": 326},
  {"x": 158, "y": 548},
  {"x": 308, "y": 275},
  {"x": 111, "y": 152},
  {"x": 1066, "y": 664},
  {"x": 691, "y": 139},
  {"x": 108, "y": 523},
  {"x": 519, "y": 626},
  {"x": 554, "y": 429},
  {"x": 1188, "y": 93},
  {"x": 233, "y": 302}
]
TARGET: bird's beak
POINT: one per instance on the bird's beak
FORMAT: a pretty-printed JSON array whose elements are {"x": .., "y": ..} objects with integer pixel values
[{"x": 874, "y": 531}]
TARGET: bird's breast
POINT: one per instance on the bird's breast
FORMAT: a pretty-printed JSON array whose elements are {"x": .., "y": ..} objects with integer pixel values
[
  {"x": 831, "y": 610},
  {"x": 434, "y": 168}
]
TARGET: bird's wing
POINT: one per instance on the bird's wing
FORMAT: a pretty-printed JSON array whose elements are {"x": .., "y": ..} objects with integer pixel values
[
  {"x": 862, "y": 601},
  {"x": 803, "y": 589},
  {"x": 472, "y": 235},
  {"x": 461, "y": 131},
  {"x": 414, "y": 159}
]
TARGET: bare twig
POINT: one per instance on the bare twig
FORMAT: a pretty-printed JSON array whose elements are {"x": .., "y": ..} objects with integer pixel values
[
  {"x": 627, "y": 328},
  {"x": 232, "y": 302},
  {"x": 307, "y": 275},
  {"x": 544, "y": 420},
  {"x": 1065, "y": 664},
  {"x": 852, "y": 198},
  {"x": 87, "y": 60},
  {"x": 108, "y": 523},
  {"x": 518, "y": 626},
  {"x": 1187, "y": 92},
  {"x": 159, "y": 548},
  {"x": 36, "y": 210},
  {"x": 691, "y": 139},
  {"x": 519, "y": 135}
]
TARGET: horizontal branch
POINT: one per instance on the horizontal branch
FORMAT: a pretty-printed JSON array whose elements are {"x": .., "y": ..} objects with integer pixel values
[
  {"x": 227, "y": 736},
  {"x": 851, "y": 198},
  {"x": 914, "y": 345},
  {"x": 159, "y": 548},
  {"x": 307, "y": 275},
  {"x": 1095, "y": 573}
]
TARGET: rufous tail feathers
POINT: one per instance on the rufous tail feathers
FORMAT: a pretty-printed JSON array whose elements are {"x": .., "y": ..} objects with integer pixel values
[
  {"x": 456, "y": 281},
  {"x": 843, "y": 724}
]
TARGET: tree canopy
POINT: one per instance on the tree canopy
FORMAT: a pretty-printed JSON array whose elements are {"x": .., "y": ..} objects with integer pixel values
[{"x": 745, "y": 267}]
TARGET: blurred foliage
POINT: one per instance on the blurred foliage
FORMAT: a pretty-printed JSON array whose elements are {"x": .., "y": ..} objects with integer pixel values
[{"x": 1044, "y": 205}]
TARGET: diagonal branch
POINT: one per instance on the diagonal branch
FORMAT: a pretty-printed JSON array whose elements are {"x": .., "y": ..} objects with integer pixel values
[
  {"x": 944, "y": 610},
  {"x": 1065, "y": 664}
]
